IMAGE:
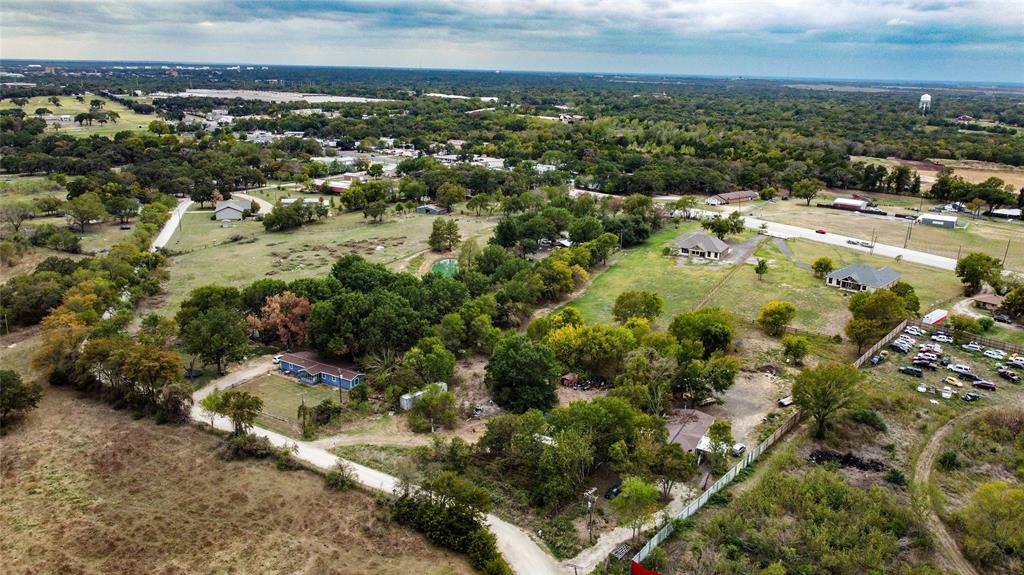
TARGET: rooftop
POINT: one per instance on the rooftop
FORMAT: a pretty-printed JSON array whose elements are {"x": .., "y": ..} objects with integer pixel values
[
  {"x": 315, "y": 364},
  {"x": 702, "y": 242},
  {"x": 867, "y": 275},
  {"x": 687, "y": 426}
]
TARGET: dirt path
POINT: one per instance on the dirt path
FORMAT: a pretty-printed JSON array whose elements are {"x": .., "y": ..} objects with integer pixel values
[
  {"x": 966, "y": 307},
  {"x": 948, "y": 549}
]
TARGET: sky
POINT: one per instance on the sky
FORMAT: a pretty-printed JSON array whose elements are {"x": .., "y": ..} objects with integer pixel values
[{"x": 908, "y": 40}]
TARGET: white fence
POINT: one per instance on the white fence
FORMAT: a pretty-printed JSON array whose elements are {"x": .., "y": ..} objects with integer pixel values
[{"x": 723, "y": 481}]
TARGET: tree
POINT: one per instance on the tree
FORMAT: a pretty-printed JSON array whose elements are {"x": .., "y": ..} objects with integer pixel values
[
  {"x": 863, "y": 332},
  {"x": 520, "y": 374},
  {"x": 775, "y": 317},
  {"x": 15, "y": 213},
  {"x": 123, "y": 208},
  {"x": 481, "y": 203},
  {"x": 976, "y": 269},
  {"x": 431, "y": 360},
  {"x": 761, "y": 268},
  {"x": 450, "y": 194},
  {"x": 634, "y": 506},
  {"x": 216, "y": 336},
  {"x": 822, "y": 267},
  {"x": 85, "y": 209},
  {"x": 444, "y": 235},
  {"x": 435, "y": 407},
  {"x": 713, "y": 327},
  {"x": 823, "y": 391},
  {"x": 991, "y": 521},
  {"x": 795, "y": 348},
  {"x": 643, "y": 304},
  {"x": 672, "y": 465},
  {"x": 806, "y": 189},
  {"x": 721, "y": 227},
  {"x": 375, "y": 210},
  {"x": 720, "y": 437},
  {"x": 54, "y": 100},
  {"x": 285, "y": 315},
  {"x": 16, "y": 396},
  {"x": 48, "y": 205},
  {"x": 241, "y": 407}
]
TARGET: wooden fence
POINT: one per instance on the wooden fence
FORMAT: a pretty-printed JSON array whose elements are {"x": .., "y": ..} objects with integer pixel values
[{"x": 882, "y": 343}]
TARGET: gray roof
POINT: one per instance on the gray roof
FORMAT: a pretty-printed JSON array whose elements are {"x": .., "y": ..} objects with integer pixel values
[
  {"x": 739, "y": 195},
  {"x": 867, "y": 275},
  {"x": 240, "y": 205},
  {"x": 703, "y": 242}
]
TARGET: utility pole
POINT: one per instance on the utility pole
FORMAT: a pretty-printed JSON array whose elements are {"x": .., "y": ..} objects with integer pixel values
[
  {"x": 1005, "y": 252},
  {"x": 958, "y": 250}
]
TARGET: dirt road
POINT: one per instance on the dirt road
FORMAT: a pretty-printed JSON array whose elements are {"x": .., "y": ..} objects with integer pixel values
[{"x": 948, "y": 549}]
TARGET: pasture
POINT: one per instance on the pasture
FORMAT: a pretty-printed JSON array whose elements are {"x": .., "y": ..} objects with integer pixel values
[
  {"x": 207, "y": 253},
  {"x": 128, "y": 119}
]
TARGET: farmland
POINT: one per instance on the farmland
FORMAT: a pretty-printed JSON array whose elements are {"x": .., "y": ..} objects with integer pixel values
[
  {"x": 90, "y": 490},
  {"x": 128, "y": 119},
  {"x": 209, "y": 253}
]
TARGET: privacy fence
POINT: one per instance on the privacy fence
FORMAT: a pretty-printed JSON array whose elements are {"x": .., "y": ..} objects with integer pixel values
[{"x": 717, "y": 486}]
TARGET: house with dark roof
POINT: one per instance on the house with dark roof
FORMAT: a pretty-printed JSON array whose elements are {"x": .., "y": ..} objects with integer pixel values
[
  {"x": 311, "y": 369},
  {"x": 988, "y": 301},
  {"x": 862, "y": 277},
  {"x": 701, "y": 245},
  {"x": 232, "y": 209},
  {"x": 689, "y": 428},
  {"x": 733, "y": 197}
]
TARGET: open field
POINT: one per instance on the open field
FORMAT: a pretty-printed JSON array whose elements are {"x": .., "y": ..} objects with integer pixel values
[
  {"x": 971, "y": 170},
  {"x": 990, "y": 237},
  {"x": 90, "y": 490},
  {"x": 211, "y": 256},
  {"x": 21, "y": 188},
  {"x": 645, "y": 268},
  {"x": 282, "y": 397},
  {"x": 129, "y": 120}
]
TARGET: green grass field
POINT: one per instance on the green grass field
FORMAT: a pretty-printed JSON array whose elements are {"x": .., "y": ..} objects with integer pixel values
[
  {"x": 209, "y": 255},
  {"x": 22, "y": 188},
  {"x": 282, "y": 397},
  {"x": 645, "y": 268},
  {"x": 129, "y": 120}
]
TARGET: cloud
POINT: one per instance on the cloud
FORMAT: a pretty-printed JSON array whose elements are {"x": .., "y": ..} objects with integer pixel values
[{"x": 501, "y": 33}]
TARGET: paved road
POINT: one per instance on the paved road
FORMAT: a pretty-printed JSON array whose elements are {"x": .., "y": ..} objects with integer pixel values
[
  {"x": 522, "y": 553},
  {"x": 788, "y": 231},
  {"x": 170, "y": 226}
]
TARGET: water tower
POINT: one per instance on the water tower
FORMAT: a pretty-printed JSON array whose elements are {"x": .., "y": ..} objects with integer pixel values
[{"x": 926, "y": 104}]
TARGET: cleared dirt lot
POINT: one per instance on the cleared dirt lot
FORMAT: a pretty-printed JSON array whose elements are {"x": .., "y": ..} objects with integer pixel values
[{"x": 89, "y": 490}]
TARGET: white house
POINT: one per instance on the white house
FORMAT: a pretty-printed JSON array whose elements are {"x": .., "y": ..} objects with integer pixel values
[
  {"x": 701, "y": 246},
  {"x": 231, "y": 209}
]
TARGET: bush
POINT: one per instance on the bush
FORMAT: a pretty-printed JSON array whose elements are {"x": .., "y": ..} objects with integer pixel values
[
  {"x": 986, "y": 323},
  {"x": 870, "y": 418},
  {"x": 896, "y": 477},
  {"x": 560, "y": 536},
  {"x": 949, "y": 461},
  {"x": 247, "y": 446},
  {"x": 340, "y": 478}
]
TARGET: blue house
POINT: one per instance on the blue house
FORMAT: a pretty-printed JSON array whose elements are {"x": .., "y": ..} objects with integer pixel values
[{"x": 311, "y": 369}]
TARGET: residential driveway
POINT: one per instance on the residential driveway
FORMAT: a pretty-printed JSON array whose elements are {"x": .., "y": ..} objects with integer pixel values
[
  {"x": 523, "y": 554},
  {"x": 265, "y": 206},
  {"x": 741, "y": 252},
  {"x": 966, "y": 307},
  {"x": 167, "y": 232}
]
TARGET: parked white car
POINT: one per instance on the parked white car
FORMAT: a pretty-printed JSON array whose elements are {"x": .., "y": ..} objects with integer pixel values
[
  {"x": 995, "y": 354},
  {"x": 277, "y": 359},
  {"x": 959, "y": 368},
  {"x": 931, "y": 347},
  {"x": 928, "y": 356},
  {"x": 973, "y": 346},
  {"x": 942, "y": 338},
  {"x": 913, "y": 330}
]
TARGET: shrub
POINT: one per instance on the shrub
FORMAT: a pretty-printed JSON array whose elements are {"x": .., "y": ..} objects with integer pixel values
[
  {"x": 986, "y": 323},
  {"x": 870, "y": 418},
  {"x": 560, "y": 536},
  {"x": 949, "y": 461},
  {"x": 340, "y": 477},
  {"x": 245, "y": 446},
  {"x": 896, "y": 477}
]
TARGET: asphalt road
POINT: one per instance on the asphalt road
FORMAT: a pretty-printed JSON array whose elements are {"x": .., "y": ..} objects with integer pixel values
[
  {"x": 170, "y": 226},
  {"x": 788, "y": 231}
]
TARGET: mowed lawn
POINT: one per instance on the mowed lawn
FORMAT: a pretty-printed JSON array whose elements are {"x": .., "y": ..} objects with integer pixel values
[
  {"x": 245, "y": 252},
  {"x": 129, "y": 120},
  {"x": 282, "y": 397},
  {"x": 644, "y": 267}
]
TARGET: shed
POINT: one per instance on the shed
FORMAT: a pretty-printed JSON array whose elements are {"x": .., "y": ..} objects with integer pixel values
[
  {"x": 934, "y": 317},
  {"x": 431, "y": 209},
  {"x": 409, "y": 399},
  {"x": 849, "y": 204},
  {"x": 733, "y": 197},
  {"x": 988, "y": 301},
  {"x": 939, "y": 220}
]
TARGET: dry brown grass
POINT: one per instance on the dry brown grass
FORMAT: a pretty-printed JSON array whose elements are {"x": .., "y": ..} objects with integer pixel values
[{"x": 89, "y": 490}]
